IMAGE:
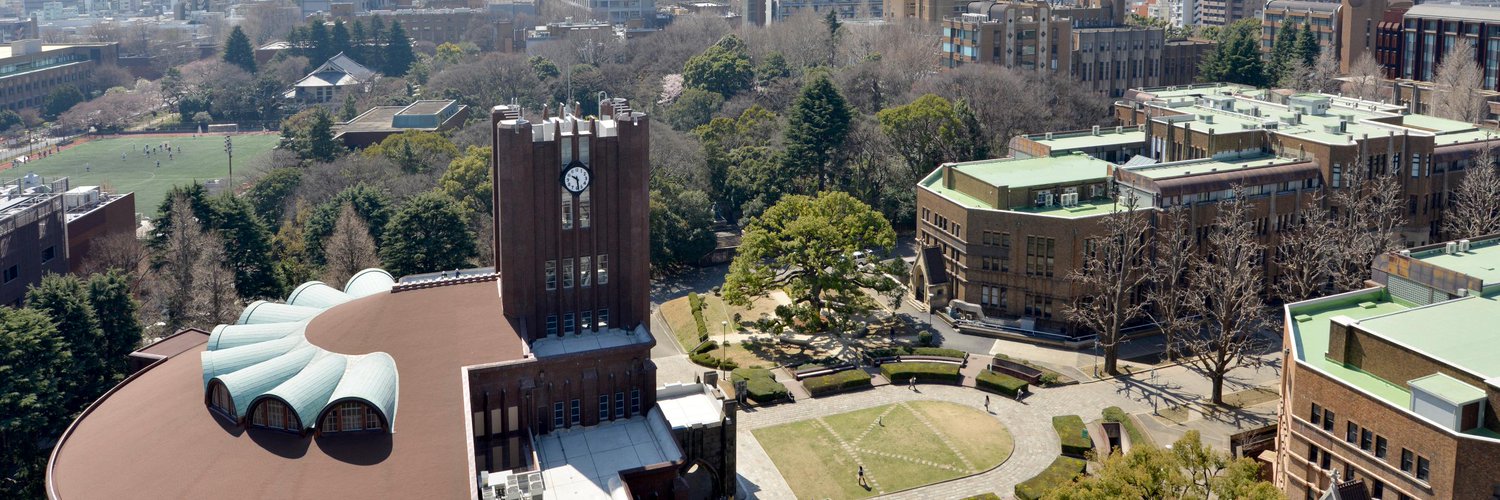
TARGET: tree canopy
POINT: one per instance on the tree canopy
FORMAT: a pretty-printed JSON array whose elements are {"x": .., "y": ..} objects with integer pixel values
[
  {"x": 1236, "y": 58},
  {"x": 237, "y": 50},
  {"x": 816, "y": 130},
  {"x": 724, "y": 68},
  {"x": 427, "y": 234},
  {"x": 805, "y": 245}
]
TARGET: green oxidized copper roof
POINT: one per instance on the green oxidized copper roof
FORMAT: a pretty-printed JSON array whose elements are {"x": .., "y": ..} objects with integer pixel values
[{"x": 266, "y": 355}]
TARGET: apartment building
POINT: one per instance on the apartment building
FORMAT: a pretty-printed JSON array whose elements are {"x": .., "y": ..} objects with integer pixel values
[
  {"x": 1226, "y": 12},
  {"x": 1392, "y": 389},
  {"x": 1173, "y": 147},
  {"x": 1091, "y": 43},
  {"x": 924, "y": 10}
]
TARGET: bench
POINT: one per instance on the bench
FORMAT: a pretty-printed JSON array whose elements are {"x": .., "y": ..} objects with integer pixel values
[
  {"x": 961, "y": 362},
  {"x": 825, "y": 370},
  {"x": 1017, "y": 370}
]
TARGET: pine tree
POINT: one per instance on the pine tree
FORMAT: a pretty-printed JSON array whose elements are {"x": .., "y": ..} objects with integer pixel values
[
  {"x": 1236, "y": 59},
  {"x": 65, "y": 299},
  {"x": 428, "y": 234},
  {"x": 246, "y": 242},
  {"x": 374, "y": 49},
  {"x": 816, "y": 130},
  {"x": 317, "y": 37},
  {"x": 34, "y": 359},
  {"x": 398, "y": 52},
  {"x": 237, "y": 50},
  {"x": 319, "y": 142},
  {"x": 1307, "y": 45},
  {"x": 350, "y": 110},
  {"x": 1281, "y": 52},
  {"x": 116, "y": 308},
  {"x": 339, "y": 38}
]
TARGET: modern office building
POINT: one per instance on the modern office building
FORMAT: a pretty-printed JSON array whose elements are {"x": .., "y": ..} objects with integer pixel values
[
  {"x": 1091, "y": 42},
  {"x": 1429, "y": 31},
  {"x": 1009, "y": 231},
  {"x": 531, "y": 380},
  {"x": 1394, "y": 388},
  {"x": 30, "y": 70}
]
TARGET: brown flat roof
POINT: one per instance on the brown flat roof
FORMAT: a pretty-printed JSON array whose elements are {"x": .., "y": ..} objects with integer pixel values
[
  {"x": 154, "y": 437},
  {"x": 175, "y": 344}
]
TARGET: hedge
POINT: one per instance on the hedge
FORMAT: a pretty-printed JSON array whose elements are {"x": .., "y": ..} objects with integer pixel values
[
  {"x": 917, "y": 351},
  {"x": 696, "y": 303},
  {"x": 846, "y": 380},
  {"x": 999, "y": 383},
  {"x": 760, "y": 385},
  {"x": 1061, "y": 472},
  {"x": 927, "y": 373},
  {"x": 985, "y": 496},
  {"x": 704, "y": 355},
  {"x": 1070, "y": 431}
]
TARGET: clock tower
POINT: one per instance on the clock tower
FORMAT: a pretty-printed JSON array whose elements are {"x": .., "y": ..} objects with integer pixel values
[{"x": 571, "y": 219}]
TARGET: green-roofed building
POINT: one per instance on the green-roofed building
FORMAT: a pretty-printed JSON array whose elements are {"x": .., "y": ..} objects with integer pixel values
[{"x": 1398, "y": 383}]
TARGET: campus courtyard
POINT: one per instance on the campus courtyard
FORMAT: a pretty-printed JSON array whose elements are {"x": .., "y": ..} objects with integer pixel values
[
  {"x": 121, "y": 165},
  {"x": 901, "y": 446}
]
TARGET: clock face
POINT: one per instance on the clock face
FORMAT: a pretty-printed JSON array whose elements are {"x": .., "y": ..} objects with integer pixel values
[{"x": 575, "y": 178}]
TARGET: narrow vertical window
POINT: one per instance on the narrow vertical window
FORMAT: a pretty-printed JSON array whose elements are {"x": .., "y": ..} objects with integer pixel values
[
  {"x": 567, "y": 273},
  {"x": 586, "y": 320},
  {"x": 585, "y": 209},
  {"x": 635, "y": 401},
  {"x": 585, "y": 271},
  {"x": 620, "y": 404},
  {"x": 603, "y": 319},
  {"x": 568, "y": 325},
  {"x": 551, "y": 273},
  {"x": 603, "y": 408},
  {"x": 575, "y": 416},
  {"x": 603, "y": 269},
  {"x": 567, "y": 209}
]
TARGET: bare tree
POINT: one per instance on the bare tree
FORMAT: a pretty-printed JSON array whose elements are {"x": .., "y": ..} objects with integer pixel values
[
  {"x": 1365, "y": 79},
  {"x": 214, "y": 298},
  {"x": 1316, "y": 77},
  {"x": 1476, "y": 205},
  {"x": 1306, "y": 254},
  {"x": 1456, "y": 86},
  {"x": 349, "y": 249},
  {"x": 1226, "y": 286},
  {"x": 120, "y": 250},
  {"x": 179, "y": 257},
  {"x": 1171, "y": 295},
  {"x": 1367, "y": 212},
  {"x": 1114, "y": 269}
]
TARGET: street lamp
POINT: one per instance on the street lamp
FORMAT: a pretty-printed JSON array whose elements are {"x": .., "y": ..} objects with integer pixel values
[
  {"x": 723, "y": 345},
  {"x": 229, "y": 150}
]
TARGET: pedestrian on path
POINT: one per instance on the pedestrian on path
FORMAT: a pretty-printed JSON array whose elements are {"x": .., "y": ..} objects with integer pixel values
[
  {"x": 862, "y": 477},
  {"x": 911, "y": 383},
  {"x": 986, "y": 403}
]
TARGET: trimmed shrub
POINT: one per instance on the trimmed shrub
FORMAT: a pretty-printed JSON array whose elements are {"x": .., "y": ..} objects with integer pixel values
[
  {"x": 985, "y": 496},
  {"x": 704, "y": 355},
  {"x": 999, "y": 383},
  {"x": 696, "y": 303},
  {"x": 760, "y": 385},
  {"x": 917, "y": 351},
  {"x": 1061, "y": 472},
  {"x": 1070, "y": 431},
  {"x": 1137, "y": 438},
  {"x": 926, "y": 338},
  {"x": 927, "y": 373},
  {"x": 846, "y": 380}
]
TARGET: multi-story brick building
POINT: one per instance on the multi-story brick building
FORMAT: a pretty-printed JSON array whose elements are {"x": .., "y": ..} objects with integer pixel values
[
  {"x": 33, "y": 238},
  {"x": 1175, "y": 147},
  {"x": 30, "y": 70},
  {"x": 1394, "y": 388},
  {"x": 1347, "y": 27},
  {"x": 1429, "y": 31},
  {"x": 1090, "y": 42}
]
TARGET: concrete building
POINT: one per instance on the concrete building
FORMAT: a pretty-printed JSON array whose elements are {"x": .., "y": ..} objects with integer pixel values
[
  {"x": 381, "y": 122},
  {"x": 1174, "y": 146},
  {"x": 531, "y": 380},
  {"x": 33, "y": 235},
  {"x": 777, "y": 10},
  {"x": 1091, "y": 43},
  {"x": 1429, "y": 31},
  {"x": 1348, "y": 27},
  {"x": 924, "y": 10},
  {"x": 30, "y": 70},
  {"x": 1394, "y": 388},
  {"x": 1226, "y": 12}
]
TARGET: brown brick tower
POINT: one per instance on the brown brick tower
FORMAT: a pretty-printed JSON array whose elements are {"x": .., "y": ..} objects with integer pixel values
[{"x": 571, "y": 199}]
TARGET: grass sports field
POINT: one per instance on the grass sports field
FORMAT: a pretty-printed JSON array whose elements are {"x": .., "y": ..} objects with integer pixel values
[
  {"x": 902, "y": 446},
  {"x": 98, "y": 162}
]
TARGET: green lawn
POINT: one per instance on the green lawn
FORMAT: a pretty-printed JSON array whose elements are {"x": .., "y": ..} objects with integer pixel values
[
  {"x": 97, "y": 162},
  {"x": 961, "y": 440}
]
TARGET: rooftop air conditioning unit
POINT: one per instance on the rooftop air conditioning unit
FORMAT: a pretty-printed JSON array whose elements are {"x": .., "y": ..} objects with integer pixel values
[
  {"x": 1044, "y": 199},
  {"x": 1450, "y": 247},
  {"x": 1049, "y": 136},
  {"x": 1463, "y": 245},
  {"x": 1119, "y": 129},
  {"x": 1096, "y": 130},
  {"x": 1069, "y": 199},
  {"x": 1406, "y": 253}
]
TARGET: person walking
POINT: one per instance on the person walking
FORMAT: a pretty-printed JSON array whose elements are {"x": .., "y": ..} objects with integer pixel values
[
  {"x": 911, "y": 383},
  {"x": 986, "y": 403},
  {"x": 862, "y": 477}
]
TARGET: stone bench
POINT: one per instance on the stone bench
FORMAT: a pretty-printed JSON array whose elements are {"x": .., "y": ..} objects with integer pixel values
[{"x": 815, "y": 372}]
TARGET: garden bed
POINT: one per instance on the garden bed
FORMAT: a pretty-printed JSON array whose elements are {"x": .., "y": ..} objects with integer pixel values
[
  {"x": 1071, "y": 432},
  {"x": 1000, "y": 383},
  {"x": 843, "y": 381},
  {"x": 1061, "y": 472},
  {"x": 761, "y": 386},
  {"x": 927, "y": 373},
  {"x": 1137, "y": 437}
]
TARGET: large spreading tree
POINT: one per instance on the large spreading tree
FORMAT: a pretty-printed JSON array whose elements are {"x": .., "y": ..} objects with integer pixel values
[
  {"x": 1113, "y": 274},
  {"x": 805, "y": 245},
  {"x": 724, "y": 68}
]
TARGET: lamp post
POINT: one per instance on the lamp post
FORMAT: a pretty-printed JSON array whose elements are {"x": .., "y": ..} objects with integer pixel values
[
  {"x": 229, "y": 150},
  {"x": 723, "y": 346}
]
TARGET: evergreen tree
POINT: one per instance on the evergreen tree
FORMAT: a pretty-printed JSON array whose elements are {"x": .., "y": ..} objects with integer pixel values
[
  {"x": 319, "y": 143},
  {"x": 398, "y": 52},
  {"x": 371, "y": 204},
  {"x": 816, "y": 130},
  {"x": 357, "y": 37},
  {"x": 350, "y": 110},
  {"x": 317, "y": 37},
  {"x": 62, "y": 98},
  {"x": 468, "y": 180},
  {"x": 831, "y": 21},
  {"x": 65, "y": 299},
  {"x": 34, "y": 360},
  {"x": 1307, "y": 45},
  {"x": 116, "y": 308},
  {"x": 247, "y": 245},
  {"x": 1236, "y": 59},
  {"x": 723, "y": 68},
  {"x": 1281, "y": 53},
  {"x": 237, "y": 50},
  {"x": 270, "y": 193},
  {"x": 374, "y": 49},
  {"x": 339, "y": 38},
  {"x": 427, "y": 234}
]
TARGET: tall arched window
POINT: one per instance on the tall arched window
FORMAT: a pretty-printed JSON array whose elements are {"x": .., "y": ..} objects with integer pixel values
[
  {"x": 218, "y": 399},
  {"x": 351, "y": 416},
  {"x": 274, "y": 415}
]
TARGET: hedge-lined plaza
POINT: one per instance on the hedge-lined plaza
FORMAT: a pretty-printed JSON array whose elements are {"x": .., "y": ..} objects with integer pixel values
[{"x": 902, "y": 446}]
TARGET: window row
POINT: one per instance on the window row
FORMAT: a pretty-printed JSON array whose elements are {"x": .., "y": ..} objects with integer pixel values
[
  {"x": 1040, "y": 255},
  {"x": 1368, "y": 441},
  {"x": 586, "y": 319},
  {"x": 586, "y": 273},
  {"x": 572, "y": 414}
]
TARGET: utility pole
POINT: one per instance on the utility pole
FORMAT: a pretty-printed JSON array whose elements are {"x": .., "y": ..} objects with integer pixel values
[{"x": 229, "y": 150}]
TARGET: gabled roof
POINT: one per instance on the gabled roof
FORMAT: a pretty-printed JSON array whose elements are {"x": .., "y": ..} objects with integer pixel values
[
  {"x": 932, "y": 265},
  {"x": 339, "y": 70}
]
